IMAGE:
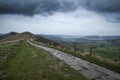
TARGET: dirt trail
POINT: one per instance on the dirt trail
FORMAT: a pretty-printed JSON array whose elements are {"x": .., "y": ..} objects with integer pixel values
[{"x": 89, "y": 70}]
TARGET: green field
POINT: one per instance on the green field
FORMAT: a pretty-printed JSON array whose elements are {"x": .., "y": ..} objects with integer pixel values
[
  {"x": 21, "y": 61},
  {"x": 106, "y": 52},
  {"x": 111, "y": 53}
]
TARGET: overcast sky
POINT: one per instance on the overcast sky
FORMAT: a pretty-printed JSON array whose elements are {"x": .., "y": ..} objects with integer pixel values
[{"x": 65, "y": 17}]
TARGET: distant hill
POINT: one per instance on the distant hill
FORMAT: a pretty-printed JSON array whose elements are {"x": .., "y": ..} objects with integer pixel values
[
  {"x": 9, "y": 37},
  {"x": 52, "y": 37},
  {"x": 34, "y": 38},
  {"x": 79, "y": 38},
  {"x": 19, "y": 36},
  {"x": 2, "y": 36},
  {"x": 110, "y": 37}
]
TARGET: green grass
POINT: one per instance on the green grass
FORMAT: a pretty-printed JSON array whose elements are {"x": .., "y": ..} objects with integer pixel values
[
  {"x": 111, "y": 53},
  {"x": 22, "y": 61}
]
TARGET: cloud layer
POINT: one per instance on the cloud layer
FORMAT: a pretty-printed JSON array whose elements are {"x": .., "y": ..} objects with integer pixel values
[
  {"x": 31, "y": 7},
  {"x": 82, "y": 17}
]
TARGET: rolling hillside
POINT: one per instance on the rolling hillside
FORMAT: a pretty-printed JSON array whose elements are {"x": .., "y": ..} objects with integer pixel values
[
  {"x": 2, "y": 36},
  {"x": 62, "y": 47},
  {"x": 23, "y": 36},
  {"x": 21, "y": 61},
  {"x": 33, "y": 38}
]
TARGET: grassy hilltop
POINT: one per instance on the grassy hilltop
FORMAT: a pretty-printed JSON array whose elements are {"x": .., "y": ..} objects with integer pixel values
[{"x": 21, "y": 61}]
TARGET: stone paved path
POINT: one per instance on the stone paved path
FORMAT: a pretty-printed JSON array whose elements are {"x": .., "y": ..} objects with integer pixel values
[{"x": 89, "y": 70}]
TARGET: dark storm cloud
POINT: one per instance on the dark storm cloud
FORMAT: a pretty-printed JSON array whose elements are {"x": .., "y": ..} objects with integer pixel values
[
  {"x": 110, "y": 9},
  {"x": 102, "y": 5},
  {"x": 31, "y": 7}
]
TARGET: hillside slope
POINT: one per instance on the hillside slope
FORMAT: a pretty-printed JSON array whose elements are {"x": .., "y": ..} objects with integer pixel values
[
  {"x": 33, "y": 38},
  {"x": 19, "y": 36},
  {"x": 2, "y": 36},
  {"x": 21, "y": 61},
  {"x": 36, "y": 63}
]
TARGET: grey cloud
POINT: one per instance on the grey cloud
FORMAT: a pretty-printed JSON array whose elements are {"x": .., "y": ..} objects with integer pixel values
[
  {"x": 110, "y": 9},
  {"x": 32, "y": 7},
  {"x": 103, "y": 5}
]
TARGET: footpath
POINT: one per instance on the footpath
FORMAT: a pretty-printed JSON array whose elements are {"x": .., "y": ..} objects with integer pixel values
[{"x": 89, "y": 70}]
